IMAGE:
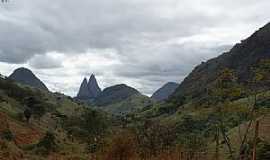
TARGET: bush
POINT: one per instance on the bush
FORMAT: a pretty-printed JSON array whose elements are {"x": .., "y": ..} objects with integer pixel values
[
  {"x": 153, "y": 137},
  {"x": 7, "y": 135},
  {"x": 47, "y": 144},
  {"x": 263, "y": 151},
  {"x": 93, "y": 122},
  {"x": 19, "y": 116},
  {"x": 122, "y": 148},
  {"x": 168, "y": 108},
  {"x": 36, "y": 106}
]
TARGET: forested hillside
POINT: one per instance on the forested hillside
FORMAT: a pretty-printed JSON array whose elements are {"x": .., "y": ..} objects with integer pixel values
[{"x": 241, "y": 59}]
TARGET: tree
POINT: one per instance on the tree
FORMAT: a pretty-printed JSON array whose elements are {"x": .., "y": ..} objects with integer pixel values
[
  {"x": 94, "y": 122},
  {"x": 260, "y": 78},
  {"x": 36, "y": 106},
  {"x": 27, "y": 113},
  {"x": 227, "y": 89},
  {"x": 153, "y": 137}
]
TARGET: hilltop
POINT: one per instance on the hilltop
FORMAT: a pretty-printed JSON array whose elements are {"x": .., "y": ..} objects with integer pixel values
[{"x": 27, "y": 77}]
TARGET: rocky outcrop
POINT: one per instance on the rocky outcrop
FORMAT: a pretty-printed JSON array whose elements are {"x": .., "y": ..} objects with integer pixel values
[
  {"x": 89, "y": 90},
  {"x": 93, "y": 86}
]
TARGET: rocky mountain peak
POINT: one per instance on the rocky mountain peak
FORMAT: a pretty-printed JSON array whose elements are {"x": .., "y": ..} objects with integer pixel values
[
  {"x": 89, "y": 90},
  {"x": 93, "y": 86}
]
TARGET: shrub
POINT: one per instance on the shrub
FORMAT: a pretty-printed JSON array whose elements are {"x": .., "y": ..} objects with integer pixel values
[
  {"x": 153, "y": 137},
  {"x": 20, "y": 116},
  {"x": 168, "y": 108},
  {"x": 263, "y": 151},
  {"x": 36, "y": 106},
  {"x": 7, "y": 135},
  {"x": 27, "y": 114},
  {"x": 47, "y": 144},
  {"x": 122, "y": 148}
]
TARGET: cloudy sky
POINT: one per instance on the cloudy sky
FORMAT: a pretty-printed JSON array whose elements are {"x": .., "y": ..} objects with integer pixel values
[{"x": 143, "y": 43}]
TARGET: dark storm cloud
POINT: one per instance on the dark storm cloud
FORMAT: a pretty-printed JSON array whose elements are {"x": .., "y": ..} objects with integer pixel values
[{"x": 153, "y": 41}]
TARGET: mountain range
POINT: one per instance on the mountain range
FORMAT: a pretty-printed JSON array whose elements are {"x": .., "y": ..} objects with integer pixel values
[{"x": 241, "y": 59}]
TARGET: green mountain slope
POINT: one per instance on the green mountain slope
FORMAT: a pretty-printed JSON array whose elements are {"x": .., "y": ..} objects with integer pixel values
[
  {"x": 58, "y": 127},
  {"x": 241, "y": 58},
  {"x": 129, "y": 105}
]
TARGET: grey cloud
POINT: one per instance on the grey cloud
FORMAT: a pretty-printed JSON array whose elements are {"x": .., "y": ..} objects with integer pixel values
[
  {"x": 71, "y": 26},
  {"x": 143, "y": 34},
  {"x": 44, "y": 62}
]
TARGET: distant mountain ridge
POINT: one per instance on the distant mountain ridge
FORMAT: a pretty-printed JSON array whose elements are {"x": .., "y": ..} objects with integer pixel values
[
  {"x": 241, "y": 58},
  {"x": 27, "y": 77},
  {"x": 89, "y": 90},
  {"x": 115, "y": 94},
  {"x": 165, "y": 91},
  {"x": 121, "y": 99}
]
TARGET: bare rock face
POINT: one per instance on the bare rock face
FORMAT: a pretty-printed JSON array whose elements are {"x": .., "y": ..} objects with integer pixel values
[
  {"x": 89, "y": 90},
  {"x": 83, "y": 91},
  {"x": 165, "y": 91},
  {"x": 27, "y": 77},
  {"x": 93, "y": 86}
]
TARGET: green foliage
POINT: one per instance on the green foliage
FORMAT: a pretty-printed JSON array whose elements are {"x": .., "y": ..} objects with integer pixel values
[
  {"x": 20, "y": 116},
  {"x": 167, "y": 108},
  {"x": 193, "y": 142},
  {"x": 226, "y": 88},
  {"x": 177, "y": 100},
  {"x": 47, "y": 144},
  {"x": 131, "y": 104},
  {"x": 264, "y": 103},
  {"x": 192, "y": 133},
  {"x": 153, "y": 137},
  {"x": 262, "y": 70},
  {"x": 7, "y": 135},
  {"x": 25, "y": 96},
  {"x": 191, "y": 125},
  {"x": 15, "y": 91},
  {"x": 94, "y": 144},
  {"x": 263, "y": 151},
  {"x": 27, "y": 113},
  {"x": 89, "y": 125},
  {"x": 37, "y": 107},
  {"x": 94, "y": 122}
]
